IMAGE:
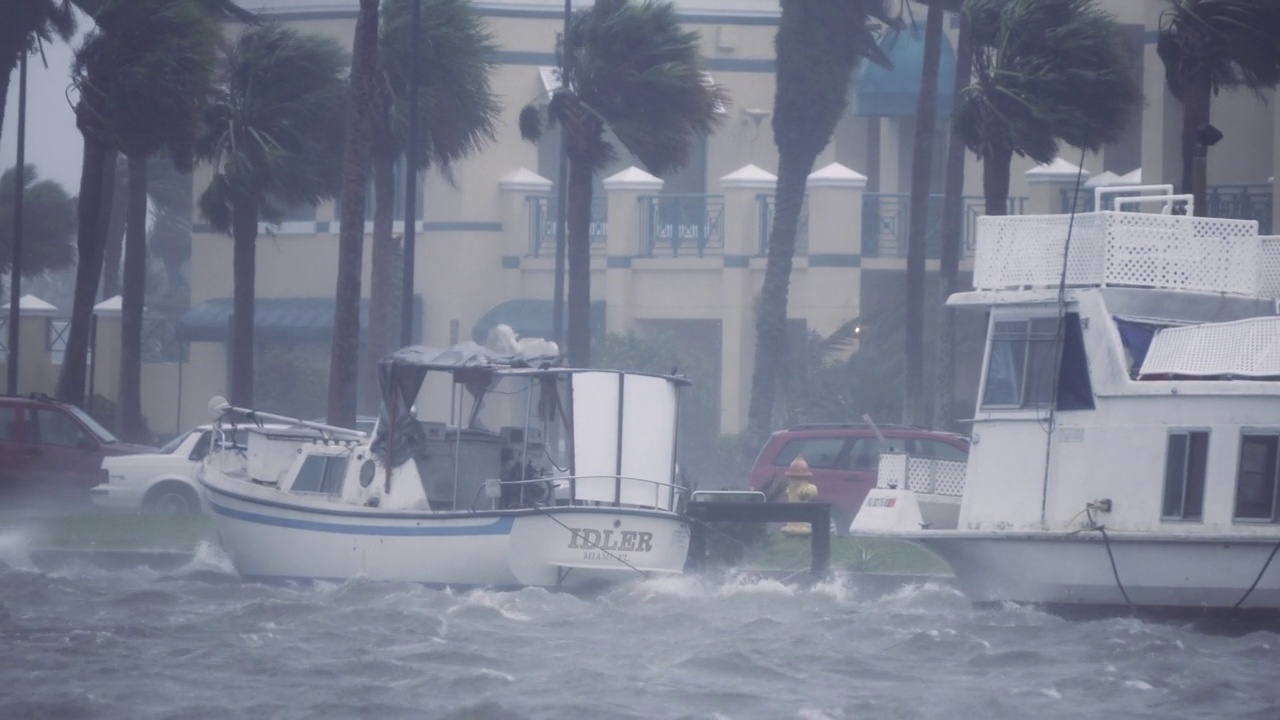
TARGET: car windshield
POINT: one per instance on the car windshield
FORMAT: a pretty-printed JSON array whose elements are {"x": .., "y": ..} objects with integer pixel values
[
  {"x": 103, "y": 434},
  {"x": 172, "y": 446}
]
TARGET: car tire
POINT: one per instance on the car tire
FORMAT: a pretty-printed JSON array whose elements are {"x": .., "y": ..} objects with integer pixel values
[{"x": 172, "y": 498}]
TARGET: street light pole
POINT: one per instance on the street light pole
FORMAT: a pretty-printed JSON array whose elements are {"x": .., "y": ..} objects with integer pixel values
[
  {"x": 410, "y": 182},
  {"x": 15, "y": 267},
  {"x": 562, "y": 195}
]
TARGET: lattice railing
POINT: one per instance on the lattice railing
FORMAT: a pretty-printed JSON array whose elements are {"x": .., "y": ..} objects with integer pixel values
[
  {"x": 1121, "y": 248},
  {"x": 922, "y": 475}
]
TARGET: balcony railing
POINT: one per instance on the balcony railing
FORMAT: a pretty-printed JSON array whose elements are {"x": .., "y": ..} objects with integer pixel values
[
  {"x": 766, "y": 204},
  {"x": 886, "y": 226},
  {"x": 1243, "y": 202},
  {"x": 682, "y": 224},
  {"x": 542, "y": 223}
]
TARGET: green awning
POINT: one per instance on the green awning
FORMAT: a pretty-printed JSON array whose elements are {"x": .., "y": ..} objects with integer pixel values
[
  {"x": 530, "y": 318},
  {"x": 878, "y": 92},
  {"x": 274, "y": 319}
]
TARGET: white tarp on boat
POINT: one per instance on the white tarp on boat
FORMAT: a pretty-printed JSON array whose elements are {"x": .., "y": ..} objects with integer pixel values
[{"x": 1243, "y": 348}]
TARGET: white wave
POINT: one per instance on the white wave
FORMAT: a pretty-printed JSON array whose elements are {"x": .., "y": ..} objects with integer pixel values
[
  {"x": 491, "y": 600},
  {"x": 1051, "y": 693},
  {"x": 1138, "y": 684},
  {"x": 15, "y": 549},
  {"x": 209, "y": 556}
]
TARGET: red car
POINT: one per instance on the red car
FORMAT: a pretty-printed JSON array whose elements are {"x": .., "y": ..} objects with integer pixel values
[
  {"x": 844, "y": 459},
  {"x": 51, "y": 452}
]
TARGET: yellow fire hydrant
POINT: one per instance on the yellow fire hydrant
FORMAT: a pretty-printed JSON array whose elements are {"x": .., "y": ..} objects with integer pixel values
[{"x": 799, "y": 489}]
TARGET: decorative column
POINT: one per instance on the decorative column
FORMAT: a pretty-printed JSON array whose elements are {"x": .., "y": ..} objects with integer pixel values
[
  {"x": 1047, "y": 182},
  {"x": 624, "y": 243},
  {"x": 516, "y": 214},
  {"x": 744, "y": 191},
  {"x": 36, "y": 373},
  {"x": 833, "y": 281}
]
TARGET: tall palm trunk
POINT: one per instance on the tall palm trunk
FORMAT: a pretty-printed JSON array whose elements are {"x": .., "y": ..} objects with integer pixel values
[
  {"x": 132, "y": 426},
  {"x": 384, "y": 282},
  {"x": 113, "y": 242},
  {"x": 98, "y": 161},
  {"x": 916, "y": 406},
  {"x": 578, "y": 259},
  {"x": 771, "y": 323},
  {"x": 244, "y": 257},
  {"x": 345, "y": 350},
  {"x": 1197, "y": 97},
  {"x": 952, "y": 238},
  {"x": 995, "y": 177}
]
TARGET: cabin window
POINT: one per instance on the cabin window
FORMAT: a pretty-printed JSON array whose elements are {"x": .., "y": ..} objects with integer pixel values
[
  {"x": 1256, "y": 480},
  {"x": 321, "y": 474},
  {"x": 1022, "y": 360},
  {"x": 1184, "y": 473},
  {"x": 818, "y": 453}
]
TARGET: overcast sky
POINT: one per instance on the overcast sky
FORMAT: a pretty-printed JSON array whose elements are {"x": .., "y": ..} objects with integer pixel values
[{"x": 53, "y": 143}]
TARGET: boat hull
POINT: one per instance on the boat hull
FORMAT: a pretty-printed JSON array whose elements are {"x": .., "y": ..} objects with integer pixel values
[
  {"x": 284, "y": 539},
  {"x": 1060, "y": 569}
]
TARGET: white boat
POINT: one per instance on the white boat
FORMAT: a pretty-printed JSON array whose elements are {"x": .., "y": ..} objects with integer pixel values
[
  {"x": 1128, "y": 419},
  {"x": 577, "y": 488}
]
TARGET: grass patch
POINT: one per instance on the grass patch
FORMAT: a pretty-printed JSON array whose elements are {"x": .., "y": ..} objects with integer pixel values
[{"x": 112, "y": 531}]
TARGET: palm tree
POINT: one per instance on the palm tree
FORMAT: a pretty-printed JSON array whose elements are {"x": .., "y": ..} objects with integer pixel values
[
  {"x": 22, "y": 24},
  {"x": 819, "y": 45},
  {"x": 344, "y": 357},
  {"x": 1207, "y": 45},
  {"x": 47, "y": 235},
  {"x": 269, "y": 135},
  {"x": 915, "y": 406},
  {"x": 1045, "y": 71},
  {"x": 456, "y": 114},
  {"x": 162, "y": 56},
  {"x": 632, "y": 69}
]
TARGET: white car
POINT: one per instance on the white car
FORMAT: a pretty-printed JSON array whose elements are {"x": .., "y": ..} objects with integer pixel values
[{"x": 163, "y": 482}]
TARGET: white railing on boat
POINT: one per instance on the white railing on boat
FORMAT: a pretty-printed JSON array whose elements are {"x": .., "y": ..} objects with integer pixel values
[
  {"x": 568, "y": 490},
  {"x": 922, "y": 475},
  {"x": 1128, "y": 249}
]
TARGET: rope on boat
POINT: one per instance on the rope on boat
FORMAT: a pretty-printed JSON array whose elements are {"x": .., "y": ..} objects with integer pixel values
[
  {"x": 580, "y": 537},
  {"x": 1258, "y": 579},
  {"x": 1093, "y": 525}
]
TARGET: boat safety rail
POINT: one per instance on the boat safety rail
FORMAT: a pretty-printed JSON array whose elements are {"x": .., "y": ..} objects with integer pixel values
[{"x": 611, "y": 490}]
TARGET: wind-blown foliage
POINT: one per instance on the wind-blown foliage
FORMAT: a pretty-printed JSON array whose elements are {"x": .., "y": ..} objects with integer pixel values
[
  {"x": 1208, "y": 45},
  {"x": 48, "y": 224},
  {"x": 819, "y": 45},
  {"x": 271, "y": 133},
  {"x": 456, "y": 112},
  {"x": 23, "y": 23},
  {"x": 1046, "y": 71},
  {"x": 634, "y": 70}
]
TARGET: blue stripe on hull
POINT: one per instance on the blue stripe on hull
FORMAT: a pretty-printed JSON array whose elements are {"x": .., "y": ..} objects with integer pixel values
[{"x": 499, "y": 526}]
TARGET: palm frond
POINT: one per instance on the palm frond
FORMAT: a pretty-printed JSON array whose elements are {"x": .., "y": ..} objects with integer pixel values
[{"x": 1229, "y": 43}]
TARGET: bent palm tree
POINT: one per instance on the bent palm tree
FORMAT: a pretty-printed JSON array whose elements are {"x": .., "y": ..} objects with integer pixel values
[
  {"x": 22, "y": 24},
  {"x": 1045, "y": 71},
  {"x": 269, "y": 135},
  {"x": 635, "y": 71},
  {"x": 456, "y": 114},
  {"x": 1207, "y": 45},
  {"x": 819, "y": 45}
]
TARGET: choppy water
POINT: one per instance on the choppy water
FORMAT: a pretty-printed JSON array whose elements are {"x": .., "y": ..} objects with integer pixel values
[{"x": 198, "y": 643}]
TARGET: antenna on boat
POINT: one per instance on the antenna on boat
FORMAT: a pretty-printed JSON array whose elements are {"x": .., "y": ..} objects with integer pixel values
[{"x": 1059, "y": 331}]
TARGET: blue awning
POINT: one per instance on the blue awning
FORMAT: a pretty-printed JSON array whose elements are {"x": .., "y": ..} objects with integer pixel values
[
  {"x": 274, "y": 319},
  {"x": 879, "y": 92}
]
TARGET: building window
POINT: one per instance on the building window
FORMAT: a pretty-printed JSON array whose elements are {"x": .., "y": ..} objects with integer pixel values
[
  {"x": 1184, "y": 472},
  {"x": 1256, "y": 479}
]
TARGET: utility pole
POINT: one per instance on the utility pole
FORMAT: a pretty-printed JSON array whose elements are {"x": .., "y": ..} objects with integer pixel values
[
  {"x": 19, "y": 185},
  {"x": 411, "y": 182},
  {"x": 562, "y": 195}
]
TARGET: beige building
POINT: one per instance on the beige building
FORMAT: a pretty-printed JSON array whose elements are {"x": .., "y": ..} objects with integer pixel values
[{"x": 681, "y": 253}]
